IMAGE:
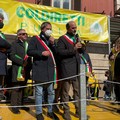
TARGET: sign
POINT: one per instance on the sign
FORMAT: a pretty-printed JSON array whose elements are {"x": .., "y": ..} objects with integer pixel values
[{"x": 92, "y": 27}]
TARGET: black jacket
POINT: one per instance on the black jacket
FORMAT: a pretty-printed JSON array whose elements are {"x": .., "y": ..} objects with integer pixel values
[
  {"x": 117, "y": 68},
  {"x": 3, "y": 55},
  {"x": 19, "y": 49},
  {"x": 70, "y": 59},
  {"x": 43, "y": 67}
]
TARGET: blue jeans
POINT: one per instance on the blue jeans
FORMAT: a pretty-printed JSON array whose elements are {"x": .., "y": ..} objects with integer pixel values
[{"x": 39, "y": 95}]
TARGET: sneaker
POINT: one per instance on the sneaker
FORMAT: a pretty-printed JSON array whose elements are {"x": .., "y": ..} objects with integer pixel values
[
  {"x": 70, "y": 98},
  {"x": 2, "y": 98},
  {"x": 40, "y": 117},
  {"x": 25, "y": 108},
  {"x": 15, "y": 110},
  {"x": 53, "y": 116}
]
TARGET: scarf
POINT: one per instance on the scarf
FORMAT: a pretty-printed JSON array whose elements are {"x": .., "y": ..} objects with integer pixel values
[
  {"x": 2, "y": 35},
  {"x": 70, "y": 40},
  {"x": 21, "y": 70},
  {"x": 88, "y": 68}
]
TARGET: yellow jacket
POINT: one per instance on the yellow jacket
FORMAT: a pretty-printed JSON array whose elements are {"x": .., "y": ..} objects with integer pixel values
[{"x": 92, "y": 80}]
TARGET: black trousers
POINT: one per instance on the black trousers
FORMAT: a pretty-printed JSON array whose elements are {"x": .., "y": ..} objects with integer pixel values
[
  {"x": 16, "y": 97},
  {"x": 2, "y": 80},
  {"x": 117, "y": 92},
  {"x": 17, "y": 94}
]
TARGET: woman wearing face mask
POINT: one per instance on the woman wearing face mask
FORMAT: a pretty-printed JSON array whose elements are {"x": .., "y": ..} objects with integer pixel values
[{"x": 4, "y": 50}]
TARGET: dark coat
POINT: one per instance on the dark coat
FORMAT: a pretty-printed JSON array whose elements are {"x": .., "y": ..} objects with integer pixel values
[
  {"x": 107, "y": 86},
  {"x": 3, "y": 56},
  {"x": 117, "y": 68},
  {"x": 70, "y": 59},
  {"x": 18, "y": 49},
  {"x": 43, "y": 67}
]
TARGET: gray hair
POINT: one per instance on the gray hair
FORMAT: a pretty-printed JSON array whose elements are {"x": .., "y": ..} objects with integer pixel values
[
  {"x": 44, "y": 24},
  {"x": 19, "y": 30}
]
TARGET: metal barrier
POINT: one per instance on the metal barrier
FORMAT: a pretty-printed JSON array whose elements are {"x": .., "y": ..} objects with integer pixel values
[{"x": 82, "y": 93}]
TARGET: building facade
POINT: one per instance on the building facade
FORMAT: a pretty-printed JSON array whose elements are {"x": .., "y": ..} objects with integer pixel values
[
  {"x": 66, "y": 4},
  {"x": 117, "y": 4},
  {"x": 107, "y": 7}
]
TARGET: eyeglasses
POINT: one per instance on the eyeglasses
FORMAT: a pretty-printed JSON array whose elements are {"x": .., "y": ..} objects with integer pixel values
[{"x": 23, "y": 34}]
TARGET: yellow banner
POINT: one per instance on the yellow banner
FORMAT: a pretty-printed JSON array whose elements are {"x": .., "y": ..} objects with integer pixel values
[{"x": 93, "y": 27}]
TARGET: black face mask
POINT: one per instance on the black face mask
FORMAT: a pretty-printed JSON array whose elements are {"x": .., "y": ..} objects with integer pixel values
[{"x": 1, "y": 25}]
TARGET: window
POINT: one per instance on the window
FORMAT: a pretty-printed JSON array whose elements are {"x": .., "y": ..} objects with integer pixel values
[
  {"x": 57, "y": 3},
  {"x": 66, "y": 4}
]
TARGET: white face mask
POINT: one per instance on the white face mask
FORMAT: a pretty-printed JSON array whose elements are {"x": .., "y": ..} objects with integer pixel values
[{"x": 48, "y": 33}]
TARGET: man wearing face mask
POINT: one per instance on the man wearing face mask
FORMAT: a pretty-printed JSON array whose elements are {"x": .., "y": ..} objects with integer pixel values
[
  {"x": 4, "y": 50},
  {"x": 43, "y": 49},
  {"x": 67, "y": 48}
]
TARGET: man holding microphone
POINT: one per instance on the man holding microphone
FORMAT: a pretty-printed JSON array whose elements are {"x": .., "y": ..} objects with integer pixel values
[{"x": 67, "y": 47}]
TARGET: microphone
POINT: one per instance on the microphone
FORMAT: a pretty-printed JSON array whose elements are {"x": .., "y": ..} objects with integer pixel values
[{"x": 77, "y": 38}]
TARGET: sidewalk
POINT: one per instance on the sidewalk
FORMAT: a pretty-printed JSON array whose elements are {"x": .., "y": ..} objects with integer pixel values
[{"x": 97, "y": 110}]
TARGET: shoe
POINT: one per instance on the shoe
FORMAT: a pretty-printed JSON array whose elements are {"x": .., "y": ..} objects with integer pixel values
[
  {"x": 55, "y": 109},
  {"x": 25, "y": 108},
  {"x": 70, "y": 98},
  {"x": 88, "y": 117},
  {"x": 61, "y": 106},
  {"x": 66, "y": 116},
  {"x": 53, "y": 116},
  {"x": 2, "y": 98},
  {"x": 118, "y": 111},
  {"x": 40, "y": 117},
  {"x": 77, "y": 114},
  {"x": 15, "y": 110}
]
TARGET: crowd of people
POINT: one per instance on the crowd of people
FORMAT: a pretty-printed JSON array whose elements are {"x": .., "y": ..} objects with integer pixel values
[{"x": 49, "y": 60}]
